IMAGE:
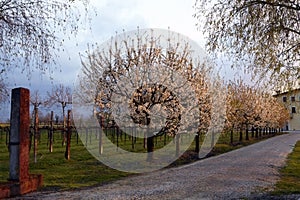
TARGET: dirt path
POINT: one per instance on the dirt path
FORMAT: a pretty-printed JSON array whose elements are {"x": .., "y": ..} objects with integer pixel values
[{"x": 234, "y": 175}]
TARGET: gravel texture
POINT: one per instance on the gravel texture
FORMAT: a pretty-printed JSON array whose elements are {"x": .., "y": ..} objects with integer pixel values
[{"x": 246, "y": 173}]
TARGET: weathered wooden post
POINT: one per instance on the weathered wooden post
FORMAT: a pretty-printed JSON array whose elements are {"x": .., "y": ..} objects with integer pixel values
[
  {"x": 36, "y": 131},
  {"x": 69, "y": 132},
  {"x": 21, "y": 181},
  {"x": 86, "y": 136},
  {"x": 51, "y": 133}
]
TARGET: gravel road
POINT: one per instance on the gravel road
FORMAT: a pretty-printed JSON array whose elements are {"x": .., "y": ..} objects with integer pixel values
[{"x": 248, "y": 172}]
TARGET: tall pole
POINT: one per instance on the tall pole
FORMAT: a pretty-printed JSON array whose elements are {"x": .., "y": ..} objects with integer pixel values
[
  {"x": 19, "y": 135},
  {"x": 69, "y": 132},
  {"x": 51, "y": 133},
  {"x": 36, "y": 130},
  {"x": 63, "y": 104}
]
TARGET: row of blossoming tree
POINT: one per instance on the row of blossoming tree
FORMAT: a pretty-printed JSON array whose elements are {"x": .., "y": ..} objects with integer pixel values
[
  {"x": 136, "y": 81},
  {"x": 250, "y": 108}
]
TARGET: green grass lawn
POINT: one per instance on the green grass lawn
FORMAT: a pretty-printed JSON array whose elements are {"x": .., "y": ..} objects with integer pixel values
[
  {"x": 289, "y": 182},
  {"x": 84, "y": 170}
]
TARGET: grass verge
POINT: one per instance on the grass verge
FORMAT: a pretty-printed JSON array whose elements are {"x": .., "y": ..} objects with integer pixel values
[{"x": 289, "y": 182}]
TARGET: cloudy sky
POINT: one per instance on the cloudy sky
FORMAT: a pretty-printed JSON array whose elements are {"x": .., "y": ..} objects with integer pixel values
[{"x": 113, "y": 16}]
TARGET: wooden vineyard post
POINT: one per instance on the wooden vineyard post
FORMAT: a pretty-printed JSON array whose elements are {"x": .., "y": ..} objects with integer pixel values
[
  {"x": 117, "y": 134},
  {"x": 90, "y": 135},
  {"x": 51, "y": 133},
  {"x": 86, "y": 136},
  {"x": 64, "y": 124},
  {"x": 133, "y": 137},
  {"x": 36, "y": 132},
  {"x": 77, "y": 136},
  {"x": 69, "y": 132}
]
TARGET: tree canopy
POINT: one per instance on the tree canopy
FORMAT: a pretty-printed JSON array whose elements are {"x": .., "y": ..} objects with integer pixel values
[
  {"x": 28, "y": 31},
  {"x": 154, "y": 82},
  {"x": 137, "y": 63},
  {"x": 248, "y": 107},
  {"x": 263, "y": 35}
]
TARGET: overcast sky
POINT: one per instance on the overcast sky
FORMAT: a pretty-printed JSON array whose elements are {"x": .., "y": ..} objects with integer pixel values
[{"x": 113, "y": 16}]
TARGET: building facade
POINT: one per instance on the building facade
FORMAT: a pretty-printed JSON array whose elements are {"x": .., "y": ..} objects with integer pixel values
[{"x": 291, "y": 101}]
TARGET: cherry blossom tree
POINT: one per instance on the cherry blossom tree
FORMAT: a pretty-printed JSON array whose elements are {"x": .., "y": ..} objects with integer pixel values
[
  {"x": 263, "y": 36},
  {"x": 250, "y": 107},
  {"x": 29, "y": 31},
  {"x": 135, "y": 72}
]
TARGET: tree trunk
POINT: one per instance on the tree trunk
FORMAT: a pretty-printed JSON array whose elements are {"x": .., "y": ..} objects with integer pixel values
[
  {"x": 177, "y": 137},
  {"x": 241, "y": 135},
  {"x": 117, "y": 133},
  {"x": 145, "y": 141},
  {"x": 100, "y": 141},
  {"x": 197, "y": 148},
  {"x": 260, "y": 132},
  {"x": 247, "y": 133},
  {"x": 150, "y": 145},
  {"x": 256, "y": 133},
  {"x": 231, "y": 136},
  {"x": 132, "y": 138}
]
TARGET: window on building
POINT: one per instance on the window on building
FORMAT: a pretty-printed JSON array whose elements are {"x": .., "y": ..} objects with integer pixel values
[
  {"x": 293, "y": 98},
  {"x": 293, "y": 109},
  {"x": 284, "y": 99}
]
